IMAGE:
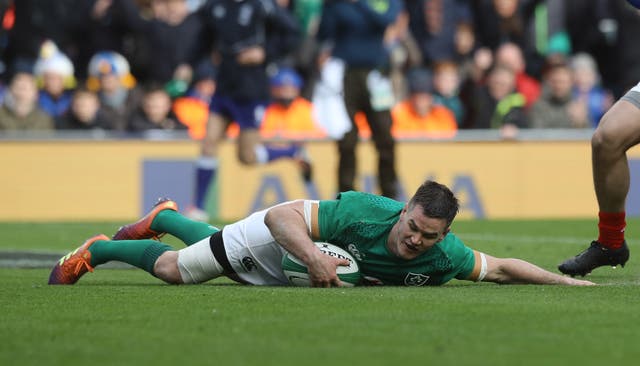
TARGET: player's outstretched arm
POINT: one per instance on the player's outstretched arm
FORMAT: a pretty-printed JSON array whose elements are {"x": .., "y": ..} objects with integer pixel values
[
  {"x": 288, "y": 227},
  {"x": 518, "y": 271}
]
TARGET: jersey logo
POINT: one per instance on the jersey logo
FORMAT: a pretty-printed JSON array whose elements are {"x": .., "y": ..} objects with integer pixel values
[
  {"x": 354, "y": 251},
  {"x": 415, "y": 279}
]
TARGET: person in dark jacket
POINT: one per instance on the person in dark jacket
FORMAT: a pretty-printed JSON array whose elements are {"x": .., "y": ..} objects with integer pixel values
[
  {"x": 353, "y": 31},
  {"x": 84, "y": 113}
]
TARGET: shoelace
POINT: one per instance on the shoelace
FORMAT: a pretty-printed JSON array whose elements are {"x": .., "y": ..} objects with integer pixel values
[{"x": 82, "y": 262}]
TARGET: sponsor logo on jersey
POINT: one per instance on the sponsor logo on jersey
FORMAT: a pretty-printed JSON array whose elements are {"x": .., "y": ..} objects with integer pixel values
[
  {"x": 415, "y": 279},
  {"x": 248, "y": 264}
]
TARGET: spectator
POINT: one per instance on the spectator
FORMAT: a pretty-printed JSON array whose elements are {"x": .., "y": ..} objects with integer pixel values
[
  {"x": 593, "y": 28},
  {"x": 154, "y": 113},
  {"x": 289, "y": 116},
  {"x": 34, "y": 22},
  {"x": 242, "y": 92},
  {"x": 510, "y": 54},
  {"x": 404, "y": 54},
  {"x": 418, "y": 116},
  {"x": 433, "y": 24},
  {"x": 446, "y": 89},
  {"x": 307, "y": 13},
  {"x": 465, "y": 46},
  {"x": 555, "y": 108},
  {"x": 192, "y": 109},
  {"x": 353, "y": 31},
  {"x": 626, "y": 71},
  {"x": 475, "y": 73},
  {"x": 109, "y": 76},
  {"x": 534, "y": 25},
  {"x": 20, "y": 109},
  {"x": 499, "y": 21},
  {"x": 54, "y": 72},
  {"x": 84, "y": 113},
  {"x": 98, "y": 25},
  {"x": 498, "y": 105},
  {"x": 587, "y": 88},
  {"x": 174, "y": 35}
]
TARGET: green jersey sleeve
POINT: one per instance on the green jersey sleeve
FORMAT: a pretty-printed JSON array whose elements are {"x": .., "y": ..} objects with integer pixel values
[{"x": 461, "y": 257}]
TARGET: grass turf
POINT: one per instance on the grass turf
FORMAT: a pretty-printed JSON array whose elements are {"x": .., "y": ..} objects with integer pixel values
[{"x": 128, "y": 317}]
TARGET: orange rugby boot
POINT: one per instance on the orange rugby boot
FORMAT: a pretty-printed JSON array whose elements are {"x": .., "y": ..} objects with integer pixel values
[
  {"x": 72, "y": 266},
  {"x": 141, "y": 229}
]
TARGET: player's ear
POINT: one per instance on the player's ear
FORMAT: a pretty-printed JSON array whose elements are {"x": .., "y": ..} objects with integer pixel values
[{"x": 444, "y": 234}]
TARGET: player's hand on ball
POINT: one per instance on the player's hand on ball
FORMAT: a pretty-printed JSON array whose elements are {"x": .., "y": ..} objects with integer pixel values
[{"x": 322, "y": 270}]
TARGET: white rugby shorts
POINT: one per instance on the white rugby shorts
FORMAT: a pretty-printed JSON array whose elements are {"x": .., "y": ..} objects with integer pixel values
[
  {"x": 633, "y": 96},
  {"x": 252, "y": 251}
]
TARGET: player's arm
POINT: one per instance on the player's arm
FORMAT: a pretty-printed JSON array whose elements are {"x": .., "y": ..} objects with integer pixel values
[
  {"x": 516, "y": 271},
  {"x": 293, "y": 225}
]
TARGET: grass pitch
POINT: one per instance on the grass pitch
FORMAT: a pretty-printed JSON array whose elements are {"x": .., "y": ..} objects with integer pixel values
[{"x": 118, "y": 317}]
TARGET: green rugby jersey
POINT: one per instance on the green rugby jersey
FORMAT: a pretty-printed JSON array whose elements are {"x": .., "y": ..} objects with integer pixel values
[{"x": 361, "y": 222}]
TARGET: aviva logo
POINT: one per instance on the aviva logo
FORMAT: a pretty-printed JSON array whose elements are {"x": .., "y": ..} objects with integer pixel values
[{"x": 379, "y": 6}]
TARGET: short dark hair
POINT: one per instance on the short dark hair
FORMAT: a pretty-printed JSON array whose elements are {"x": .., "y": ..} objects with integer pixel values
[{"x": 437, "y": 201}]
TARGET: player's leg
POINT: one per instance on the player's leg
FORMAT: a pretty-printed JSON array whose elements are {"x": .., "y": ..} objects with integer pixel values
[
  {"x": 347, "y": 164},
  {"x": 207, "y": 164},
  {"x": 194, "y": 264},
  {"x": 618, "y": 131},
  {"x": 99, "y": 250},
  {"x": 248, "y": 145},
  {"x": 380, "y": 123},
  {"x": 191, "y": 265},
  {"x": 162, "y": 219},
  {"x": 355, "y": 96}
]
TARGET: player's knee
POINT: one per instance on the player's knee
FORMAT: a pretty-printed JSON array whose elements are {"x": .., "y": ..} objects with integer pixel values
[
  {"x": 606, "y": 138},
  {"x": 166, "y": 268},
  {"x": 247, "y": 159},
  {"x": 247, "y": 156}
]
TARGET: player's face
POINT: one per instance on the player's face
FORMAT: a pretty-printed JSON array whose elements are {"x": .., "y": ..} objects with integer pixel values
[{"x": 415, "y": 233}]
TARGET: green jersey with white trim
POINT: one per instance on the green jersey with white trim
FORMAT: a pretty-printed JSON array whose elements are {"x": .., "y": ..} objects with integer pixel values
[{"x": 361, "y": 223}]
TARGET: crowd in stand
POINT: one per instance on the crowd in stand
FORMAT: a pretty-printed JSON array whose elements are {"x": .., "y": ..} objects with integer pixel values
[{"x": 133, "y": 66}]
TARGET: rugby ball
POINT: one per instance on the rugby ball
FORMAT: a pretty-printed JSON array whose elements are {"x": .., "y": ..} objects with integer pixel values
[{"x": 298, "y": 275}]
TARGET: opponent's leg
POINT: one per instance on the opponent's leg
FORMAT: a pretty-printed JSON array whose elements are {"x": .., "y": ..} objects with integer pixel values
[
  {"x": 618, "y": 131},
  {"x": 207, "y": 165}
]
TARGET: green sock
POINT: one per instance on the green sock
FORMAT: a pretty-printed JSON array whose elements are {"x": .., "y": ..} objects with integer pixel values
[
  {"x": 140, "y": 253},
  {"x": 189, "y": 231}
]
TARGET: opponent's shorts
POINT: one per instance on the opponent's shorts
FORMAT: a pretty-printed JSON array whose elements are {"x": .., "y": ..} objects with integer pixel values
[
  {"x": 244, "y": 251},
  {"x": 248, "y": 114},
  {"x": 633, "y": 96}
]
